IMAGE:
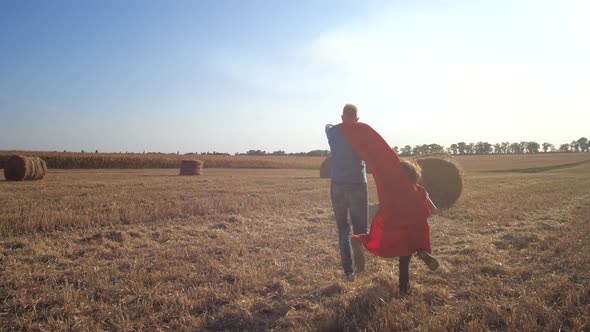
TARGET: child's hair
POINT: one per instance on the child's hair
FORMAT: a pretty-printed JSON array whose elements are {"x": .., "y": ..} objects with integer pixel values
[{"x": 413, "y": 171}]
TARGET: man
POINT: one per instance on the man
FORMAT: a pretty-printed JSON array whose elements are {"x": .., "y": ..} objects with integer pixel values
[{"x": 348, "y": 193}]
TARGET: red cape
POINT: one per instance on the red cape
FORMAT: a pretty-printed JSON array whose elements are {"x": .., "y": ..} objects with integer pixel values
[{"x": 399, "y": 227}]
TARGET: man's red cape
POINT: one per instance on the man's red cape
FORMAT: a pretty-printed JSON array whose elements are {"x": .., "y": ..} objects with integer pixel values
[{"x": 399, "y": 227}]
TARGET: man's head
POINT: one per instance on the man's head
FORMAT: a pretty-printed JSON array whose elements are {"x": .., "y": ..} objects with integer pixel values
[{"x": 350, "y": 114}]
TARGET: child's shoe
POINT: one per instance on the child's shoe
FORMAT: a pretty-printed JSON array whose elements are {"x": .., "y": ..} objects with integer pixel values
[{"x": 430, "y": 261}]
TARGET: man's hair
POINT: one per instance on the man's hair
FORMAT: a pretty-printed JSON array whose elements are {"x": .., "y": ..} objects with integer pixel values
[
  {"x": 350, "y": 110},
  {"x": 413, "y": 171}
]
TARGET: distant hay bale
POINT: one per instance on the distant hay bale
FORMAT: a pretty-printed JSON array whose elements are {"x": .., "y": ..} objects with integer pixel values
[
  {"x": 19, "y": 168},
  {"x": 191, "y": 167},
  {"x": 326, "y": 169},
  {"x": 442, "y": 176}
]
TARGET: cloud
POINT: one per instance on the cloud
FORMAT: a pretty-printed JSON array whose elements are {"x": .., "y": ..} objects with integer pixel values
[
  {"x": 484, "y": 67},
  {"x": 458, "y": 71}
]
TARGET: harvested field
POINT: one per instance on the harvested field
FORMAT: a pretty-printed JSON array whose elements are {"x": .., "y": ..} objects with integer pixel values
[
  {"x": 519, "y": 161},
  {"x": 257, "y": 249}
]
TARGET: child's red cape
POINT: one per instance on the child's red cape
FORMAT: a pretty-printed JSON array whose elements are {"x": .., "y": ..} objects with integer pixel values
[{"x": 399, "y": 227}]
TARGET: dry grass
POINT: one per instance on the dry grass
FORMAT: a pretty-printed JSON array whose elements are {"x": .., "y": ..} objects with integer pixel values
[{"x": 257, "y": 249}]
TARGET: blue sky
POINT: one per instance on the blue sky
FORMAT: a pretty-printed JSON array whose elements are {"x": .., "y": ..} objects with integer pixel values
[{"x": 237, "y": 75}]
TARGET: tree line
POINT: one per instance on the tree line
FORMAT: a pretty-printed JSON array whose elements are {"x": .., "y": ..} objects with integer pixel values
[{"x": 462, "y": 148}]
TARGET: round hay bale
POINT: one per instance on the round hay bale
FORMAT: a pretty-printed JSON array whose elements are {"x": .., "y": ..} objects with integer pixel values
[
  {"x": 442, "y": 176},
  {"x": 191, "y": 167},
  {"x": 19, "y": 168},
  {"x": 326, "y": 169}
]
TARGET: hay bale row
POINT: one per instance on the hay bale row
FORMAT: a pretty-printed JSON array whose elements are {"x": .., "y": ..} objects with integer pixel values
[
  {"x": 443, "y": 178},
  {"x": 19, "y": 168},
  {"x": 191, "y": 167}
]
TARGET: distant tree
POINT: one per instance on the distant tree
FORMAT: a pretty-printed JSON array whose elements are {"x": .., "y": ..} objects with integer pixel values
[
  {"x": 478, "y": 148},
  {"x": 497, "y": 148},
  {"x": 278, "y": 153},
  {"x": 313, "y": 153},
  {"x": 505, "y": 147},
  {"x": 318, "y": 153},
  {"x": 471, "y": 148},
  {"x": 407, "y": 150},
  {"x": 533, "y": 147},
  {"x": 523, "y": 147},
  {"x": 422, "y": 149},
  {"x": 396, "y": 149},
  {"x": 454, "y": 148},
  {"x": 547, "y": 147},
  {"x": 584, "y": 144},
  {"x": 462, "y": 147},
  {"x": 564, "y": 147},
  {"x": 515, "y": 148},
  {"x": 575, "y": 146},
  {"x": 417, "y": 150},
  {"x": 483, "y": 148},
  {"x": 435, "y": 148},
  {"x": 256, "y": 153}
]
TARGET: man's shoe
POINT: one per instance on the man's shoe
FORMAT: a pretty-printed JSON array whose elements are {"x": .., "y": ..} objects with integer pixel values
[
  {"x": 350, "y": 277},
  {"x": 430, "y": 261}
]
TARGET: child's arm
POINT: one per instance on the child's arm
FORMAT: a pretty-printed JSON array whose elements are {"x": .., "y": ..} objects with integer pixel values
[{"x": 433, "y": 209}]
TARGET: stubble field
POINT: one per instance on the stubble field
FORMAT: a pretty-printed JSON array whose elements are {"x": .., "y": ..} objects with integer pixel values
[{"x": 243, "y": 249}]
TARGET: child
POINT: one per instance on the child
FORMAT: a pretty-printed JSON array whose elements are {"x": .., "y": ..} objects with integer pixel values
[{"x": 414, "y": 173}]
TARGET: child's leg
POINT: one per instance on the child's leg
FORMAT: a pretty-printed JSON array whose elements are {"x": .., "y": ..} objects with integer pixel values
[{"x": 404, "y": 274}]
